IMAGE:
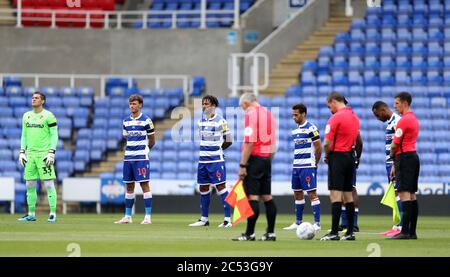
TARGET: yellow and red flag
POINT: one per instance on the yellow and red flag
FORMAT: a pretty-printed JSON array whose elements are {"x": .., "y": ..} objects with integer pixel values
[
  {"x": 239, "y": 201},
  {"x": 390, "y": 201}
]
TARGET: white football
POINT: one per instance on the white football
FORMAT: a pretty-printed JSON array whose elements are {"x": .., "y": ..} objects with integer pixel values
[{"x": 305, "y": 231}]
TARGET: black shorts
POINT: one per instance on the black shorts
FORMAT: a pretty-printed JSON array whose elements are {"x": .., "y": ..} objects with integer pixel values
[
  {"x": 341, "y": 169},
  {"x": 259, "y": 176},
  {"x": 407, "y": 168}
]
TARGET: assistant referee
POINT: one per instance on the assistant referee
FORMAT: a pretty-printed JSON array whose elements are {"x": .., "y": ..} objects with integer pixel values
[
  {"x": 406, "y": 164},
  {"x": 258, "y": 150},
  {"x": 341, "y": 135}
]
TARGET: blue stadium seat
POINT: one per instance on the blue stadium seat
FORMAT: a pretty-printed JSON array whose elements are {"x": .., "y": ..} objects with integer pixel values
[
  {"x": 13, "y": 91},
  {"x": 12, "y": 81},
  {"x": 96, "y": 154},
  {"x": 169, "y": 155},
  {"x": 71, "y": 101},
  {"x": 63, "y": 91},
  {"x": 83, "y": 144},
  {"x": 18, "y": 101}
]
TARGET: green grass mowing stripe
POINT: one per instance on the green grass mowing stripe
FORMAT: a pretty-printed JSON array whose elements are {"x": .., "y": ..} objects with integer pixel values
[{"x": 169, "y": 235}]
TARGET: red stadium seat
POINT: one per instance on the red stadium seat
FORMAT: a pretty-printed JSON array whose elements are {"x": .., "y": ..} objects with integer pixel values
[
  {"x": 43, "y": 18},
  {"x": 63, "y": 18},
  {"x": 25, "y": 3},
  {"x": 97, "y": 18},
  {"x": 108, "y": 5},
  {"x": 89, "y": 4}
]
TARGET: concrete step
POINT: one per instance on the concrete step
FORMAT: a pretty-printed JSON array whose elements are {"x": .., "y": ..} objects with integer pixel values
[{"x": 284, "y": 74}]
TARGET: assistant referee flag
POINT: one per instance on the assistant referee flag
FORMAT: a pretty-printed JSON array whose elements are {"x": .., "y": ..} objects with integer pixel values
[
  {"x": 389, "y": 200},
  {"x": 239, "y": 201}
]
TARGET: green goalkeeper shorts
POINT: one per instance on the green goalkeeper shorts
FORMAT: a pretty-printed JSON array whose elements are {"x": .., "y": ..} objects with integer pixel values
[{"x": 36, "y": 168}]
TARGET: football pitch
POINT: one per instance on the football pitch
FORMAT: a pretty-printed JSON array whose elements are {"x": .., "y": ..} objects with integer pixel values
[{"x": 169, "y": 236}]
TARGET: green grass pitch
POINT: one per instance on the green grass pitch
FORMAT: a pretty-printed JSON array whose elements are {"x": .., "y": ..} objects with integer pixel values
[{"x": 169, "y": 236}]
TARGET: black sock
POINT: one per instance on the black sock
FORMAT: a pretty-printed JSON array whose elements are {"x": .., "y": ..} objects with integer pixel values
[
  {"x": 414, "y": 216},
  {"x": 271, "y": 214},
  {"x": 407, "y": 212},
  {"x": 251, "y": 221},
  {"x": 335, "y": 216},
  {"x": 350, "y": 211}
]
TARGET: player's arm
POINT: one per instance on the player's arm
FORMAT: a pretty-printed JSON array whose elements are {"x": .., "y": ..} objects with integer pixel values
[
  {"x": 151, "y": 134},
  {"x": 330, "y": 131},
  {"x": 53, "y": 129},
  {"x": 124, "y": 131},
  {"x": 394, "y": 147},
  {"x": 23, "y": 144},
  {"x": 398, "y": 137},
  {"x": 227, "y": 138},
  {"x": 317, "y": 150},
  {"x": 247, "y": 150},
  {"x": 227, "y": 141},
  {"x": 358, "y": 148},
  {"x": 151, "y": 141},
  {"x": 315, "y": 138},
  {"x": 326, "y": 149}
]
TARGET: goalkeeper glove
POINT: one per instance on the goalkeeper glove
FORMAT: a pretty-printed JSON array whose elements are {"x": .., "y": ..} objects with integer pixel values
[
  {"x": 22, "y": 158},
  {"x": 50, "y": 158}
]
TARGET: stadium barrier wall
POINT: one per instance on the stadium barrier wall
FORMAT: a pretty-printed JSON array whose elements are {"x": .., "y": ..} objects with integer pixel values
[
  {"x": 125, "y": 51},
  {"x": 257, "y": 23},
  {"x": 434, "y": 197},
  {"x": 7, "y": 191},
  {"x": 431, "y": 205}
]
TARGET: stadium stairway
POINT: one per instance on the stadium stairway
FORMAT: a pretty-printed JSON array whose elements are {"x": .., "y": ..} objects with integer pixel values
[
  {"x": 112, "y": 157},
  {"x": 285, "y": 73},
  {"x": 6, "y": 5}
]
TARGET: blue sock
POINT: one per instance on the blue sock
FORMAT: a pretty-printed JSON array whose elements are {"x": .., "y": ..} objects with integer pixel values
[
  {"x": 400, "y": 208},
  {"x": 299, "y": 207},
  {"x": 148, "y": 203},
  {"x": 129, "y": 202},
  {"x": 226, "y": 206},
  {"x": 205, "y": 199},
  {"x": 355, "y": 217},
  {"x": 344, "y": 217},
  {"x": 315, "y": 205}
]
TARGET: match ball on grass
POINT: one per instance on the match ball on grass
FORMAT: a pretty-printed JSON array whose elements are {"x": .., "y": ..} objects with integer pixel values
[{"x": 305, "y": 231}]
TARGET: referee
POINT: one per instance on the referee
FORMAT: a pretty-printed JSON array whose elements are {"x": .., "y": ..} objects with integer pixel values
[
  {"x": 406, "y": 164},
  {"x": 258, "y": 150},
  {"x": 341, "y": 135}
]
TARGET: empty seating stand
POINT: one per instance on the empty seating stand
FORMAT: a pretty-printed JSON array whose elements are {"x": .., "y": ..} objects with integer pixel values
[
  {"x": 35, "y": 17},
  {"x": 188, "y": 15}
]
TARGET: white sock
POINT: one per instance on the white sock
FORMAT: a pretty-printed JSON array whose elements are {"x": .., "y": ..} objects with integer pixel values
[
  {"x": 227, "y": 219},
  {"x": 31, "y": 213},
  {"x": 204, "y": 219}
]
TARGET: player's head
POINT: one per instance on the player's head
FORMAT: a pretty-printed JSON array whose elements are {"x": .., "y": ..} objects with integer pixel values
[
  {"x": 135, "y": 103},
  {"x": 381, "y": 111},
  {"x": 209, "y": 104},
  {"x": 38, "y": 99},
  {"x": 402, "y": 102},
  {"x": 299, "y": 112},
  {"x": 335, "y": 101},
  {"x": 247, "y": 99}
]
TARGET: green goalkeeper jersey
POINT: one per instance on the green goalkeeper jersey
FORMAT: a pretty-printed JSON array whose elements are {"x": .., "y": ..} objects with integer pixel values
[{"x": 39, "y": 131}]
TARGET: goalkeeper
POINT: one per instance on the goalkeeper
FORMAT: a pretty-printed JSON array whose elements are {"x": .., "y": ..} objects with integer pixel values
[{"x": 37, "y": 154}]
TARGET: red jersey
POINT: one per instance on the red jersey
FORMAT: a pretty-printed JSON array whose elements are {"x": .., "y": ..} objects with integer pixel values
[
  {"x": 342, "y": 130},
  {"x": 406, "y": 133},
  {"x": 260, "y": 129}
]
